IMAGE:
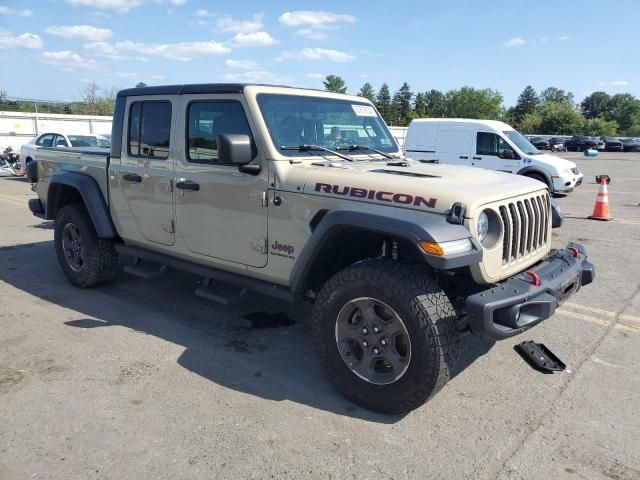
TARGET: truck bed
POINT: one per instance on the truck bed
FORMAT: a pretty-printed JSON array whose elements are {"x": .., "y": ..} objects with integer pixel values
[{"x": 93, "y": 161}]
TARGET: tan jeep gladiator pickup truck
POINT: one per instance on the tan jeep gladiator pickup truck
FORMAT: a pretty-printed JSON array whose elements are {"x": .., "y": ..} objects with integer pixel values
[{"x": 303, "y": 195}]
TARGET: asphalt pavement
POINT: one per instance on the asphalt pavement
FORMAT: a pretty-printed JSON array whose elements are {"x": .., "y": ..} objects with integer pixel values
[{"x": 143, "y": 379}]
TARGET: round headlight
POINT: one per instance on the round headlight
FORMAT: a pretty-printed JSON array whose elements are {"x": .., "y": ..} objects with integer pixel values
[{"x": 482, "y": 225}]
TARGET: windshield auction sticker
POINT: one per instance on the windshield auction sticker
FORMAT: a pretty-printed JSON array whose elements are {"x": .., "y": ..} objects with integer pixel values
[{"x": 364, "y": 110}]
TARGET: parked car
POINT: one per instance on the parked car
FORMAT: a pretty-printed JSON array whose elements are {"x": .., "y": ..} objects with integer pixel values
[
  {"x": 631, "y": 144},
  {"x": 540, "y": 143},
  {"x": 600, "y": 145},
  {"x": 60, "y": 140},
  {"x": 578, "y": 143},
  {"x": 612, "y": 144},
  {"x": 487, "y": 144},
  {"x": 261, "y": 198},
  {"x": 557, "y": 144}
]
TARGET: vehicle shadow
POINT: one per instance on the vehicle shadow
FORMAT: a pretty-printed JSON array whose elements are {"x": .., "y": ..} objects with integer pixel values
[{"x": 260, "y": 347}]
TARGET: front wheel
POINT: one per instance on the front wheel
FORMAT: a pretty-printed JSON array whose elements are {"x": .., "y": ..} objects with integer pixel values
[{"x": 386, "y": 335}]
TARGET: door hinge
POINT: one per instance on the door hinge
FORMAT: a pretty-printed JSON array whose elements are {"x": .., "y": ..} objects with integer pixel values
[
  {"x": 261, "y": 198},
  {"x": 169, "y": 227},
  {"x": 259, "y": 245}
]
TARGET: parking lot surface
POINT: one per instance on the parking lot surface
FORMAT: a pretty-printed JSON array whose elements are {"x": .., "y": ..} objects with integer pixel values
[{"x": 143, "y": 379}]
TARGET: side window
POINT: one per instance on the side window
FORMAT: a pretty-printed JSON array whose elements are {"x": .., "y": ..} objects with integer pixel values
[
  {"x": 149, "y": 129},
  {"x": 491, "y": 144},
  {"x": 60, "y": 141},
  {"x": 45, "y": 140},
  {"x": 487, "y": 144},
  {"x": 207, "y": 120}
]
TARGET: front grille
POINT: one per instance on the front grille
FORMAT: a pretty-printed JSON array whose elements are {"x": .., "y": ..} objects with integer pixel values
[{"x": 526, "y": 227}]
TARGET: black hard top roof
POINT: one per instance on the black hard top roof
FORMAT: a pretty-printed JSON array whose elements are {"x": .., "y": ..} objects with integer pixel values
[{"x": 193, "y": 88}]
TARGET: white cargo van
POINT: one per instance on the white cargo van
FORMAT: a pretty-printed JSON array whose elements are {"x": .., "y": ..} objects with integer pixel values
[{"x": 487, "y": 144}]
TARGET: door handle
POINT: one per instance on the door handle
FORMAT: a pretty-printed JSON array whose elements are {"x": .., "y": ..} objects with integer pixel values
[
  {"x": 184, "y": 184},
  {"x": 464, "y": 157},
  {"x": 132, "y": 177},
  {"x": 477, "y": 158}
]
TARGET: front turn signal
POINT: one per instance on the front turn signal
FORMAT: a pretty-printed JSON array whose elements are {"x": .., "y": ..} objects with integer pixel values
[
  {"x": 446, "y": 248},
  {"x": 431, "y": 248}
]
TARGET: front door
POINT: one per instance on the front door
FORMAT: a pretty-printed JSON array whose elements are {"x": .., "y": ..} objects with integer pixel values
[
  {"x": 494, "y": 153},
  {"x": 146, "y": 170},
  {"x": 220, "y": 211}
]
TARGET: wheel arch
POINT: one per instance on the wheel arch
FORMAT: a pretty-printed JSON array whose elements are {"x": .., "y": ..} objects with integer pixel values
[
  {"x": 535, "y": 170},
  {"x": 71, "y": 187},
  {"x": 342, "y": 237}
]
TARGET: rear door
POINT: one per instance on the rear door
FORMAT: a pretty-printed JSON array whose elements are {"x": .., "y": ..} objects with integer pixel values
[
  {"x": 146, "y": 171},
  {"x": 220, "y": 211},
  {"x": 454, "y": 145},
  {"x": 490, "y": 150}
]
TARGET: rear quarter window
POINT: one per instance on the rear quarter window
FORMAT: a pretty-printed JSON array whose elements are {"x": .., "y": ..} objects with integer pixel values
[{"x": 149, "y": 133}]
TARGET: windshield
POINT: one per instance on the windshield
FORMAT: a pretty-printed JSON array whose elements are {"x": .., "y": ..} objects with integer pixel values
[
  {"x": 89, "y": 141},
  {"x": 522, "y": 143},
  {"x": 294, "y": 120}
]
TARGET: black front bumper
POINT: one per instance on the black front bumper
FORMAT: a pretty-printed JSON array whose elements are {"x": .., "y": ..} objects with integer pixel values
[{"x": 517, "y": 304}]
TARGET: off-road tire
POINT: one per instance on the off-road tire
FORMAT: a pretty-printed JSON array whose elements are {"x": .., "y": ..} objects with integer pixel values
[
  {"x": 427, "y": 313},
  {"x": 100, "y": 257}
]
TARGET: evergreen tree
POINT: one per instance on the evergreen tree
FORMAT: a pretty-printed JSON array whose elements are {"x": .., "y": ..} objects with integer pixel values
[
  {"x": 401, "y": 104},
  {"x": 335, "y": 83},
  {"x": 436, "y": 105},
  {"x": 367, "y": 91},
  {"x": 527, "y": 102},
  {"x": 383, "y": 102},
  {"x": 420, "y": 106}
]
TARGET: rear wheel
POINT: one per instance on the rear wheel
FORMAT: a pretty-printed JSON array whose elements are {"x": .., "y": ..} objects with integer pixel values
[
  {"x": 86, "y": 260},
  {"x": 385, "y": 334}
]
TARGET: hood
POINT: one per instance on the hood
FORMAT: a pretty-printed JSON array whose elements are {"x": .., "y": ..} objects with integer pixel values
[
  {"x": 421, "y": 186},
  {"x": 560, "y": 164}
]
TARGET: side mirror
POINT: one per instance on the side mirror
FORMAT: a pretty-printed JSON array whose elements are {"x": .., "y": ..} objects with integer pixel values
[
  {"x": 507, "y": 154},
  {"x": 236, "y": 149}
]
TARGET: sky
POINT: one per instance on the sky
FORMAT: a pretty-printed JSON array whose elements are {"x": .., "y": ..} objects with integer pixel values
[{"x": 51, "y": 49}]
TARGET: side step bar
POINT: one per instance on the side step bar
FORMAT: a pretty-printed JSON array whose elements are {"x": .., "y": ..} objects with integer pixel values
[
  {"x": 220, "y": 293},
  {"x": 222, "y": 276},
  {"x": 145, "y": 270}
]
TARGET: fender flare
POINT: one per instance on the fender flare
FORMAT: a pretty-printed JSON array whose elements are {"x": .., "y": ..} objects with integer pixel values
[
  {"x": 92, "y": 198},
  {"x": 525, "y": 170},
  {"x": 411, "y": 225}
]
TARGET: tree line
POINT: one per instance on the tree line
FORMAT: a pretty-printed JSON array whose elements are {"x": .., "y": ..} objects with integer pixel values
[
  {"x": 93, "y": 101},
  {"x": 553, "y": 111}
]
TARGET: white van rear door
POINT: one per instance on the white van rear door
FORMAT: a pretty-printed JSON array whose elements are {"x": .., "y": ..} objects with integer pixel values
[{"x": 454, "y": 145}]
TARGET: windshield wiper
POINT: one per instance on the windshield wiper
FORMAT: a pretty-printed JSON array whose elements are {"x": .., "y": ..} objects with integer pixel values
[
  {"x": 353, "y": 148},
  {"x": 318, "y": 148}
]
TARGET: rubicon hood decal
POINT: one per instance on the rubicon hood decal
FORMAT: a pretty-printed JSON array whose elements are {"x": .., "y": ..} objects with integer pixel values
[{"x": 379, "y": 195}]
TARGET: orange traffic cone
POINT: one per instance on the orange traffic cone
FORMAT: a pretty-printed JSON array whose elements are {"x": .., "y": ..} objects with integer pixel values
[{"x": 601, "y": 208}]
